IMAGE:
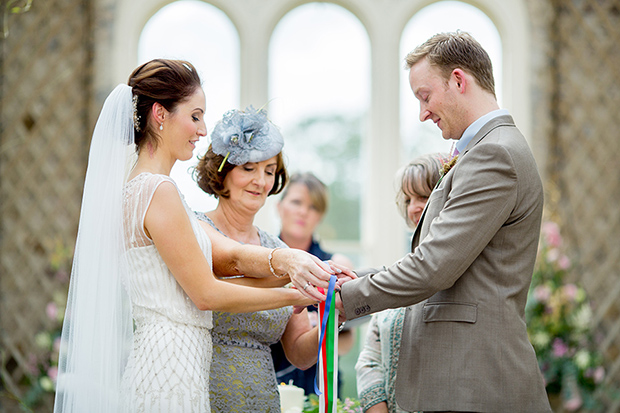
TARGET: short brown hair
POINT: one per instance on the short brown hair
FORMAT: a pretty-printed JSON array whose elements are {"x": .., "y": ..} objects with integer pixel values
[
  {"x": 317, "y": 189},
  {"x": 448, "y": 51},
  {"x": 211, "y": 180},
  {"x": 419, "y": 177},
  {"x": 164, "y": 81}
]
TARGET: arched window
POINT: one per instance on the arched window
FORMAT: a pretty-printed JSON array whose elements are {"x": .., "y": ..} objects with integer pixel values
[
  {"x": 204, "y": 36},
  {"x": 319, "y": 90},
  {"x": 444, "y": 16}
]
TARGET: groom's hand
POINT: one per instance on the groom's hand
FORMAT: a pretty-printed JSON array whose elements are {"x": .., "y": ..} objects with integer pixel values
[{"x": 339, "y": 307}]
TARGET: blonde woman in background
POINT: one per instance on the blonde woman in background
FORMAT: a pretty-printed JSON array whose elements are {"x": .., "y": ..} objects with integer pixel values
[{"x": 301, "y": 209}]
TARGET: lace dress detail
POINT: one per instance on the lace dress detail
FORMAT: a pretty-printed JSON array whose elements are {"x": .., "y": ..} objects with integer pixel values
[
  {"x": 243, "y": 378},
  {"x": 168, "y": 367}
]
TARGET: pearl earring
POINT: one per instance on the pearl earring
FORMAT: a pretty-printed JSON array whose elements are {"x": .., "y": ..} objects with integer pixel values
[{"x": 161, "y": 126}]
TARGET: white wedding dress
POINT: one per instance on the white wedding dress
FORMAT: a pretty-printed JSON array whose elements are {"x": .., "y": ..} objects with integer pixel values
[{"x": 168, "y": 367}]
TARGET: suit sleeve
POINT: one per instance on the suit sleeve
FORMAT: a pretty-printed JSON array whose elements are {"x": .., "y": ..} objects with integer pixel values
[{"x": 482, "y": 194}]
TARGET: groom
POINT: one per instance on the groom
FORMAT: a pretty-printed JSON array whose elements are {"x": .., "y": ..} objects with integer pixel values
[{"x": 464, "y": 343}]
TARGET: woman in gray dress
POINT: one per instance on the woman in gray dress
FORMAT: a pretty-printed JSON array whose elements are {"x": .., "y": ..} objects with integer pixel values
[{"x": 244, "y": 165}]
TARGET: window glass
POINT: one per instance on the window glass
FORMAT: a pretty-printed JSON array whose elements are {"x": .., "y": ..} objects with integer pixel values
[{"x": 203, "y": 35}]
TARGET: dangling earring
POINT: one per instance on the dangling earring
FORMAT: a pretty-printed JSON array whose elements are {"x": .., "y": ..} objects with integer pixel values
[{"x": 161, "y": 126}]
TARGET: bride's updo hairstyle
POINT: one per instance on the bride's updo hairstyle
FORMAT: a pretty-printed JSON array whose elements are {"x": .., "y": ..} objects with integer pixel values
[{"x": 167, "y": 82}]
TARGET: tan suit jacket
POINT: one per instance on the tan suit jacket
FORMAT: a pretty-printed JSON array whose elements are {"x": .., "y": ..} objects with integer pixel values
[{"x": 464, "y": 343}]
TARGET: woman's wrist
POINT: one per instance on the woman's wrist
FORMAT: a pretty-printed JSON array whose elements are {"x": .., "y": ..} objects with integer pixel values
[{"x": 272, "y": 260}]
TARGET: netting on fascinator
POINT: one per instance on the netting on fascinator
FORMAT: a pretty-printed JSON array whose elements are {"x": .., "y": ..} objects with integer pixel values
[
  {"x": 97, "y": 332},
  {"x": 246, "y": 136}
]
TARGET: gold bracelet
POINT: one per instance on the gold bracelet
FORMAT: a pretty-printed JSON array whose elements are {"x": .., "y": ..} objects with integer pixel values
[{"x": 271, "y": 266}]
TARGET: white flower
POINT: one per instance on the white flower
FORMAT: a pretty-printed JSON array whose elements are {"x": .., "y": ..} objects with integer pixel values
[
  {"x": 43, "y": 340},
  {"x": 540, "y": 339},
  {"x": 582, "y": 317},
  {"x": 582, "y": 359},
  {"x": 46, "y": 383}
]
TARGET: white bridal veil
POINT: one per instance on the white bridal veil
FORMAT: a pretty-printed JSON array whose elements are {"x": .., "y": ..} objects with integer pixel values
[{"x": 97, "y": 331}]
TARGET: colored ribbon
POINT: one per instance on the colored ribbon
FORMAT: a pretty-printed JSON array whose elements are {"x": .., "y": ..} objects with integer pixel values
[{"x": 327, "y": 358}]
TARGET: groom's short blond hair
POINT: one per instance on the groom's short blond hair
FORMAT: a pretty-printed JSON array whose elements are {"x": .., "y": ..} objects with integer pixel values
[{"x": 448, "y": 51}]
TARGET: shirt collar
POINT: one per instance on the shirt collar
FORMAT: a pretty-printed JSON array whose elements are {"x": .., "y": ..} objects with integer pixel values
[{"x": 475, "y": 127}]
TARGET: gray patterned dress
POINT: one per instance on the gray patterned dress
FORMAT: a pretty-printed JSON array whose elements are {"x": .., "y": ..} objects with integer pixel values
[{"x": 242, "y": 375}]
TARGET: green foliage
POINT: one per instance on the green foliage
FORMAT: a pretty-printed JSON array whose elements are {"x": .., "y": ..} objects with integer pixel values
[
  {"x": 347, "y": 406},
  {"x": 559, "y": 318}
]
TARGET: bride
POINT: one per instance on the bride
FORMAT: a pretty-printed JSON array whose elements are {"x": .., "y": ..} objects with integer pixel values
[{"x": 136, "y": 333}]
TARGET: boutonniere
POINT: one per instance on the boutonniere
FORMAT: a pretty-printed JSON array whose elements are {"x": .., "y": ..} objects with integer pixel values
[{"x": 446, "y": 165}]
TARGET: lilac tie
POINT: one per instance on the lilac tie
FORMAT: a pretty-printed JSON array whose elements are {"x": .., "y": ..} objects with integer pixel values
[{"x": 454, "y": 151}]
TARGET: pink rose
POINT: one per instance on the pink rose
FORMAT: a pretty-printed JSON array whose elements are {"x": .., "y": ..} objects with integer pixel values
[
  {"x": 570, "y": 291},
  {"x": 559, "y": 348},
  {"x": 599, "y": 374},
  {"x": 564, "y": 262},
  {"x": 51, "y": 310},
  {"x": 542, "y": 293},
  {"x": 573, "y": 403},
  {"x": 52, "y": 372},
  {"x": 551, "y": 232}
]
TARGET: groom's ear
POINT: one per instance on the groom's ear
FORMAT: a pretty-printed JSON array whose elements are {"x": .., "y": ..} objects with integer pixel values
[{"x": 460, "y": 80}]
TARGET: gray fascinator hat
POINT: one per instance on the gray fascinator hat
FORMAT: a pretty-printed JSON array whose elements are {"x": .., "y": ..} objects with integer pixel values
[{"x": 245, "y": 136}]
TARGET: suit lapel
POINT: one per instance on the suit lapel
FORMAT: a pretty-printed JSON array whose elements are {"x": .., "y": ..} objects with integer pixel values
[
  {"x": 505, "y": 120},
  {"x": 415, "y": 239}
]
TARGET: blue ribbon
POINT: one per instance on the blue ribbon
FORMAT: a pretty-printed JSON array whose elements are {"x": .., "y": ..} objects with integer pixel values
[{"x": 328, "y": 304}]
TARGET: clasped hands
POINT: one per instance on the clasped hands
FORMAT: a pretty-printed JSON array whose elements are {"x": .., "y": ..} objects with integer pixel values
[{"x": 308, "y": 282}]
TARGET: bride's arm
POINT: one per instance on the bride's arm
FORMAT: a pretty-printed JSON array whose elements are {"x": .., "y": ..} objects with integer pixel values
[
  {"x": 229, "y": 274},
  {"x": 265, "y": 282},
  {"x": 168, "y": 225}
]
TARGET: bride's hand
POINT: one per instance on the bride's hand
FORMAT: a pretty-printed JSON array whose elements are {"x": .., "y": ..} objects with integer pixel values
[{"x": 305, "y": 271}]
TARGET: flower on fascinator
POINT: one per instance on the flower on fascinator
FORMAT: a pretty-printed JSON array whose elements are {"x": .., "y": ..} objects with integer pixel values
[{"x": 246, "y": 136}]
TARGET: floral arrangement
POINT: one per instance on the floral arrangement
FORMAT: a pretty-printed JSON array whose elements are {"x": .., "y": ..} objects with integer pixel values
[
  {"x": 43, "y": 364},
  {"x": 558, "y": 317},
  {"x": 349, "y": 405}
]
